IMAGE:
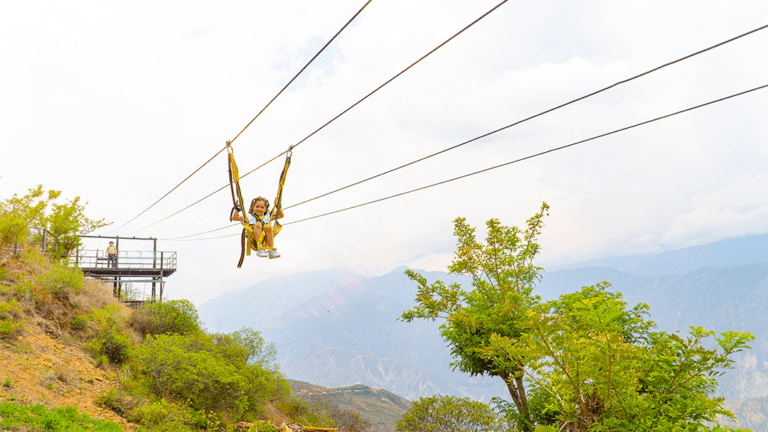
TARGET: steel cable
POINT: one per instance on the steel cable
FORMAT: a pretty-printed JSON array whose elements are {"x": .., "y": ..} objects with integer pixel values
[
  {"x": 513, "y": 161},
  {"x": 331, "y": 120},
  {"x": 249, "y": 123}
]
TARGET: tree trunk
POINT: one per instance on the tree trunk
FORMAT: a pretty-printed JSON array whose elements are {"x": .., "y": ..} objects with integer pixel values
[{"x": 517, "y": 391}]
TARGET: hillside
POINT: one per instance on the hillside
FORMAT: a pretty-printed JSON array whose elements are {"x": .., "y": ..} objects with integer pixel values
[
  {"x": 66, "y": 342},
  {"x": 382, "y": 408},
  {"x": 42, "y": 367}
]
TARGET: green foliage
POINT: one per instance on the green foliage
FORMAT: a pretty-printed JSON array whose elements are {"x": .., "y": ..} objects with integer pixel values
[
  {"x": 10, "y": 309},
  {"x": 17, "y": 213},
  {"x": 169, "y": 317},
  {"x": 448, "y": 413},
  {"x": 209, "y": 371},
  {"x": 301, "y": 411},
  {"x": 10, "y": 322},
  {"x": 503, "y": 277},
  {"x": 10, "y": 328},
  {"x": 78, "y": 323},
  {"x": 62, "y": 282},
  {"x": 329, "y": 412},
  {"x": 583, "y": 362},
  {"x": 265, "y": 427},
  {"x": 7, "y": 383},
  {"x": 65, "y": 222},
  {"x": 257, "y": 350},
  {"x": 164, "y": 416},
  {"x": 110, "y": 338},
  {"x": 39, "y": 417},
  {"x": 596, "y": 364},
  {"x": 116, "y": 400}
]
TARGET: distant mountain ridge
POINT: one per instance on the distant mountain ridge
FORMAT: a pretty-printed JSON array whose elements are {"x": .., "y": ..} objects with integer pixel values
[{"x": 724, "y": 253}]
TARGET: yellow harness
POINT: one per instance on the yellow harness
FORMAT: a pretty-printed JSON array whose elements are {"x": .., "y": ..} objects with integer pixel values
[{"x": 248, "y": 241}]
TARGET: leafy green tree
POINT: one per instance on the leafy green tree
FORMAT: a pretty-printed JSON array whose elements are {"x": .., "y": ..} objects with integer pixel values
[
  {"x": 584, "y": 362},
  {"x": 503, "y": 278},
  {"x": 448, "y": 414},
  {"x": 65, "y": 222},
  {"x": 168, "y": 317},
  {"x": 258, "y": 351},
  {"x": 17, "y": 213}
]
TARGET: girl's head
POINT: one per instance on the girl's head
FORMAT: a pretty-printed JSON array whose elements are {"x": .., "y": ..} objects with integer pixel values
[{"x": 259, "y": 206}]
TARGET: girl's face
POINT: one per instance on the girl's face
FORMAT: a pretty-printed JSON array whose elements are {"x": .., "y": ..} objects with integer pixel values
[{"x": 259, "y": 208}]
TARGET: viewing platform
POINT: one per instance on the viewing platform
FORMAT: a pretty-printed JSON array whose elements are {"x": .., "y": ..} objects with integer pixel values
[{"x": 130, "y": 266}]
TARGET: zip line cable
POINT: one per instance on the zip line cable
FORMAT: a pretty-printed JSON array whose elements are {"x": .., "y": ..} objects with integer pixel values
[
  {"x": 331, "y": 120},
  {"x": 530, "y": 118},
  {"x": 254, "y": 119},
  {"x": 513, "y": 161},
  {"x": 502, "y": 128}
]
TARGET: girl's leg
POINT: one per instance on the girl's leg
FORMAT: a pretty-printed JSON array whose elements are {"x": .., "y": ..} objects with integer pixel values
[
  {"x": 256, "y": 232},
  {"x": 270, "y": 236}
]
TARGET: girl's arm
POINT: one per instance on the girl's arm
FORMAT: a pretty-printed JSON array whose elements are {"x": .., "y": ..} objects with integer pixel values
[
  {"x": 280, "y": 215},
  {"x": 237, "y": 217}
]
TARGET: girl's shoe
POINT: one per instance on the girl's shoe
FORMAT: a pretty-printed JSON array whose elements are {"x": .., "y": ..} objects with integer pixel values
[
  {"x": 262, "y": 253},
  {"x": 273, "y": 254}
]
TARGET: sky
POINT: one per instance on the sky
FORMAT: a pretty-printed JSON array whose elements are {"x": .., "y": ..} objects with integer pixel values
[{"x": 118, "y": 102}]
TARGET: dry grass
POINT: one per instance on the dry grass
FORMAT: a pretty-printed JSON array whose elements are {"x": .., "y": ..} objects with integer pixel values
[{"x": 94, "y": 296}]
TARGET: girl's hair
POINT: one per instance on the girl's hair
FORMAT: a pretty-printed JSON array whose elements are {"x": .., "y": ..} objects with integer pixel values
[{"x": 253, "y": 201}]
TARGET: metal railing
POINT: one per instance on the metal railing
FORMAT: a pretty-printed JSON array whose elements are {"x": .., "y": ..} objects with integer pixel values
[{"x": 97, "y": 258}]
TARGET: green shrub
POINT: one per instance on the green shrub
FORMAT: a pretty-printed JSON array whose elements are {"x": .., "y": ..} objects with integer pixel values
[
  {"x": 62, "y": 282},
  {"x": 209, "y": 375},
  {"x": 110, "y": 338},
  {"x": 39, "y": 417},
  {"x": 266, "y": 427},
  {"x": 78, "y": 323},
  {"x": 7, "y": 383},
  {"x": 10, "y": 328},
  {"x": 117, "y": 401},
  {"x": 10, "y": 309},
  {"x": 162, "y": 415},
  {"x": 169, "y": 317}
]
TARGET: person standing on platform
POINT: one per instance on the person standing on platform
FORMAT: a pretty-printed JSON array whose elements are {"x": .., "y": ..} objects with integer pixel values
[{"x": 111, "y": 255}]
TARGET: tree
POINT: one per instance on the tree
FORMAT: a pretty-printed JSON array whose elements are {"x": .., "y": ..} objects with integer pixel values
[
  {"x": 503, "y": 278},
  {"x": 17, "y": 213},
  {"x": 448, "y": 414},
  {"x": 65, "y": 222},
  {"x": 582, "y": 362}
]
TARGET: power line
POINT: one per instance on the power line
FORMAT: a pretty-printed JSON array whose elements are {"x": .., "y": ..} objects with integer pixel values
[
  {"x": 333, "y": 119},
  {"x": 518, "y": 160},
  {"x": 533, "y": 116},
  {"x": 254, "y": 119}
]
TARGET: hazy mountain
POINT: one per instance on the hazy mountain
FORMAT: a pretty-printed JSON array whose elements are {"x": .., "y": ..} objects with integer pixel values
[
  {"x": 725, "y": 253},
  {"x": 351, "y": 335},
  {"x": 258, "y": 305}
]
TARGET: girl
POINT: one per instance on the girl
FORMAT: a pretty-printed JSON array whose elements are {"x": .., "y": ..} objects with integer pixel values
[{"x": 258, "y": 216}]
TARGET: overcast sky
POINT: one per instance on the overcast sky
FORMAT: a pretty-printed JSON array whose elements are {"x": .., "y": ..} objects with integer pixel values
[{"x": 117, "y": 102}]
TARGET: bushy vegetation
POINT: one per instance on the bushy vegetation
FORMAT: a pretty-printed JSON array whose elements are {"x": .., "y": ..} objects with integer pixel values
[
  {"x": 583, "y": 362},
  {"x": 39, "y": 417},
  {"x": 449, "y": 413},
  {"x": 169, "y": 317},
  {"x": 64, "y": 222}
]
